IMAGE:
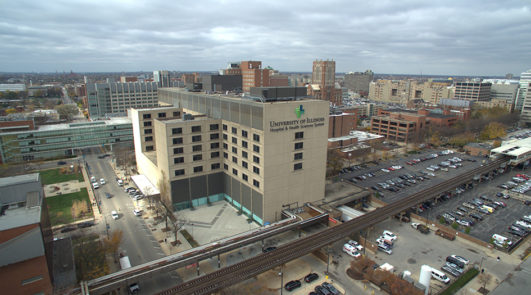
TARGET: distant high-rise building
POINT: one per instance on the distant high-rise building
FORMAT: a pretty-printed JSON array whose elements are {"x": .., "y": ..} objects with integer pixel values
[
  {"x": 503, "y": 89},
  {"x": 474, "y": 91},
  {"x": 508, "y": 76},
  {"x": 233, "y": 68},
  {"x": 324, "y": 81},
  {"x": 114, "y": 99},
  {"x": 125, "y": 79},
  {"x": 359, "y": 82},
  {"x": 162, "y": 78},
  {"x": 525, "y": 79},
  {"x": 253, "y": 75}
]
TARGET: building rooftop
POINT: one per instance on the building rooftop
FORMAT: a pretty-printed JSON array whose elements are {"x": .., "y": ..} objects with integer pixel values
[
  {"x": 65, "y": 126},
  {"x": 515, "y": 147},
  {"x": 19, "y": 179},
  {"x": 20, "y": 200}
]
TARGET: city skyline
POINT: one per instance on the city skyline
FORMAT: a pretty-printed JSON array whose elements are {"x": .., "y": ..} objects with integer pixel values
[{"x": 482, "y": 38}]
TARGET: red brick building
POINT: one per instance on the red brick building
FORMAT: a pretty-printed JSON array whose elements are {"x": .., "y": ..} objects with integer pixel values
[
  {"x": 25, "y": 237},
  {"x": 341, "y": 124},
  {"x": 253, "y": 75}
]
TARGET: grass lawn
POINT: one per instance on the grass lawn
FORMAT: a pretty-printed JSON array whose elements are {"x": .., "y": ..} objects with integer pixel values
[
  {"x": 55, "y": 176},
  {"x": 59, "y": 207}
]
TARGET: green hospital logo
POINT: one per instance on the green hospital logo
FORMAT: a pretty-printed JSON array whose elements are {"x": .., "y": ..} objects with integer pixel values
[{"x": 299, "y": 111}]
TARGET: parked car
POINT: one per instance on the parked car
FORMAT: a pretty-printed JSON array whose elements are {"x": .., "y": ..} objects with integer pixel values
[
  {"x": 311, "y": 277},
  {"x": 331, "y": 288},
  {"x": 322, "y": 290},
  {"x": 95, "y": 185},
  {"x": 461, "y": 258},
  {"x": 385, "y": 248},
  {"x": 389, "y": 235},
  {"x": 138, "y": 212},
  {"x": 292, "y": 285},
  {"x": 114, "y": 215},
  {"x": 102, "y": 181}
]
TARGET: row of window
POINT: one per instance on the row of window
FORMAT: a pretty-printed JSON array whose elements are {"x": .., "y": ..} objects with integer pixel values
[
  {"x": 161, "y": 115},
  {"x": 215, "y": 166},
  {"x": 195, "y": 148},
  {"x": 245, "y": 134}
]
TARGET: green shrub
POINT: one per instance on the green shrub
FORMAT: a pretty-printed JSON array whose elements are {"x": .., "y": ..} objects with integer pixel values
[
  {"x": 442, "y": 220},
  {"x": 460, "y": 282},
  {"x": 189, "y": 238},
  {"x": 467, "y": 230},
  {"x": 455, "y": 225}
]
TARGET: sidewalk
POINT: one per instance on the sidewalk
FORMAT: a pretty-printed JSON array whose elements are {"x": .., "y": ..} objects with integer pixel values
[{"x": 95, "y": 209}]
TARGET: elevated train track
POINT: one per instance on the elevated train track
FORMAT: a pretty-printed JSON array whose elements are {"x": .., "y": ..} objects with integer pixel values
[{"x": 249, "y": 268}]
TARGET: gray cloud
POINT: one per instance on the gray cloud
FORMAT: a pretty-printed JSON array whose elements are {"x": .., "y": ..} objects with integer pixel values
[{"x": 480, "y": 37}]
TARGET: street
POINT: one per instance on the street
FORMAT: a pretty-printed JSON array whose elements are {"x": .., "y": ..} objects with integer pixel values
[{"x": 137, "y": 241}]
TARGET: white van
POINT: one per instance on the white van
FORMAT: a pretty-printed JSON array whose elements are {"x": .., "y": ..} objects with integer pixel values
[
  {"x": 501, "y": 240},
  {"x": 439, "y": 275},
  {"x": 488, "y": 208}
]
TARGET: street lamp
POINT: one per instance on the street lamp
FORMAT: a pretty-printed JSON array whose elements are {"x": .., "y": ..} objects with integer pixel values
[{"x": 281, "y": 275}]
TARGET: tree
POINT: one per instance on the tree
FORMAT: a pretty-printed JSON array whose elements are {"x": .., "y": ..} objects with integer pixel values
[
  {"x": 112, "y": 243},
  {"x": 67, "y": 111},
  {"x": 334, "y": 162},
  {"x": 484, "y": 278},
  {"x": 492, "y": 131}
]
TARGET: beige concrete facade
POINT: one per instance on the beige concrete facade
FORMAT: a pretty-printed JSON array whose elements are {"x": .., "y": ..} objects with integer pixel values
[
  {"x": 271, "y": 155},
  {"x": 402, "y": 91}
]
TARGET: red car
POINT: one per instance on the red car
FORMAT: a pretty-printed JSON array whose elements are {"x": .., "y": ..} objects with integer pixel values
[
  {"x": 391, "y": 169},
  {"x": 410, "y": 163},
  {"x": 523, "y": 176}
]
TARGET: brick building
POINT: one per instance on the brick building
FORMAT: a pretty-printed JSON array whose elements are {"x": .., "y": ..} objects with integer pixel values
[
  {"x": 341, "y": 124},
  {"x": 323, "y": 84},
  {"x": 478, "y": 149},
  {"x": 253, "y": 75},
  {"x": 25, "y": 237}
]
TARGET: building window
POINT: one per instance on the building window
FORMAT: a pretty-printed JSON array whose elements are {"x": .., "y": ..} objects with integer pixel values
[
  {"x": 298, "y": 145},
  {"x": 245, "y": 177},
  {"x": 148, "y": 138},
  {"x": 162, "y": 115},
  {"x": 256, "y": 159},
  {"x": 297, "y": 156},
  {"x": 234, "y": 140},
  {"x": 225, "y": 136},
  {"x": 256, "y": 137},
  {"x": 256, "y": 170},
  {"x": 147, "y": 124},
  {"x": 214, "y": 136},
  {"x": 149, "y": 148},
  {"x": 214, "y": 127},
  {"x": 244, "y": 133},
  {"x": 234, "y": 130},
  {"x": 178, "y": 140},
  {"x": 178, "y": 160},
  {"x": 31, "y": 280},
  {"x": 297, "y": 166},
  {"x": 234, "y": 171},
  {"x": 225, "y": 146},
  {"x": 214, "y": 155},
  {"x": 197, "y": 157},
  {"x": 235, "y": 160},
  {"x": 225, "y": 155},
  {"x": 234, "y": 150},
  {"x": 299, "y": 135},
  {"x": 176, "y": 130},
  {"x": 214, "y": 166},
  {"x": 256, "y": 183},
  {"x": 178, "y": 150},
  {"x": 198, "y": 169},
  {"x": 176, "y": 114},
  {"x": 196, "y": 128},
  {"x": 197, "y": 148},
  {"x": 244, "y": 164},
  {"x": 225, "y": 166},
  {"x": 196, "y": 138},
  {"x": 146, "y": 116},
  {"x": 214, "y": 145},
  {"x": 244, "y": 154},
  {"x": 148, "y": 131},
  {"x": 179, "y": 172},
  {"x": 244, "y": 144},
  {"x": 256, "y": 148},
  {"x": 225, "y": 127}
]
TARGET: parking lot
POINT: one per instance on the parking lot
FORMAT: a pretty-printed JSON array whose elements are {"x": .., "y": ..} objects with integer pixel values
[
  {"x": 497, "y": 222},
  {"x": 420, "y": 181},
  {"x": 413, "y": 249}
]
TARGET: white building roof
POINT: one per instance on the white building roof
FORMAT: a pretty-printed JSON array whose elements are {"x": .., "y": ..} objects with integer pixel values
[
  {"x": 145, "y": 186},
  {"x": 514, "y": 148}
]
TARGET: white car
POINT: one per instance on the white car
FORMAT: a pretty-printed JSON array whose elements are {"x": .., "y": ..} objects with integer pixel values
[
  {"x": 460, "y": 258},
  {"x": 351, "y": 250},
  {"x": 93, "y": 179},
  {"x": 385, "y": 170},
  {"x": 356, "y": 245},
  {"x": 95, "y": 185},
  {"x": 114, "y": 215},
  {"x": 389, "y": 235},
  {"x": 120, "y": 182},
  {"x": 397, "y": 167},
  {"x": 102, "y": 181},
  {"x": 138, "y": 212}
]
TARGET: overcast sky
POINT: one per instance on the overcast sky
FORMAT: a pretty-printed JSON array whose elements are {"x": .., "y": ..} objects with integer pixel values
[{"x": 483, "y": 37}]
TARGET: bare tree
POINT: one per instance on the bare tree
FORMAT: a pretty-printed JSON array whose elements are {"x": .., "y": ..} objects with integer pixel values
[{"x": 484, "y": 278}]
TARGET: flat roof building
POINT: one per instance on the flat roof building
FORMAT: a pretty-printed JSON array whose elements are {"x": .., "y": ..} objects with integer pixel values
[
  {"x": 63, "y": 140},
  {"x": 26, "y": 238},
  {"x": 474, "y": 91},
  {"x": 260, "y": 154}
]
